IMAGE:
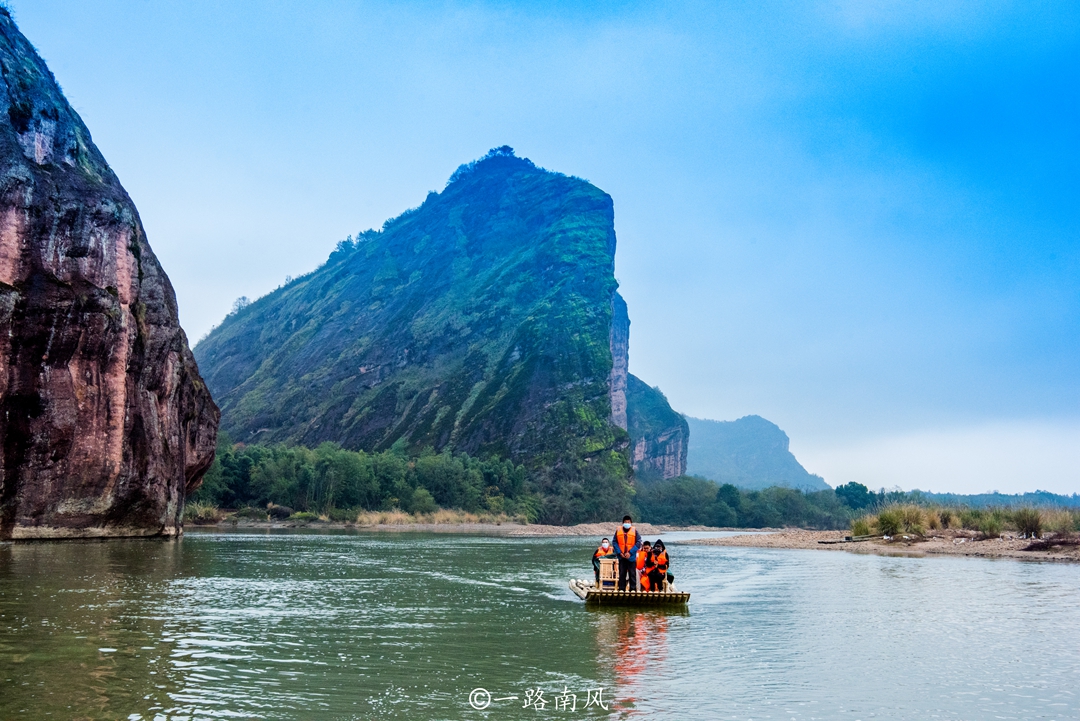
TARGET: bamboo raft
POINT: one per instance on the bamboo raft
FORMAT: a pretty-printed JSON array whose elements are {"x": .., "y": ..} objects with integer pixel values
[
  {"x": 588, "y": 592},
  {"x": 606, "y": 592}
]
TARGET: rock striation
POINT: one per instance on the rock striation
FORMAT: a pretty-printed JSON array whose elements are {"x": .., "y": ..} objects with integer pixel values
[
  {"x": 659, "y": 437},
  {"x": 620, "y": 360},
  {"x": 105, "y": 423}
]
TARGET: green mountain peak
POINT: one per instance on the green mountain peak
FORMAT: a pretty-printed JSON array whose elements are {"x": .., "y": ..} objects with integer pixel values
[{"x": 479, "y": 322}]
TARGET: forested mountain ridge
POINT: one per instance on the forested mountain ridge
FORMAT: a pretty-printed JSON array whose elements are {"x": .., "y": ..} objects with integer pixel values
[{"x": 482, "y": 322}]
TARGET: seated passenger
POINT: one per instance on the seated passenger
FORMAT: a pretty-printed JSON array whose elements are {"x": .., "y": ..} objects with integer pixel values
[
  {"x": 660, "y": 563},
  {"x": 604, "y": 551},
  {"x": 648, "y": 572},
  {"x": 641, "y": 581}
]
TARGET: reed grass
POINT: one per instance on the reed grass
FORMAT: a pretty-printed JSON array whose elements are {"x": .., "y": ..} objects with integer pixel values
[
  {"x": 899, "y": 518},
  {"x": 865, "y": 526},
  {"x": 1061, "y": 522},
  {"x": 946, "y": 516},
  {"x": 1028, "y": 522},
  {"x": 198, "y": 513},
  {"x": 991, "y": 526}
]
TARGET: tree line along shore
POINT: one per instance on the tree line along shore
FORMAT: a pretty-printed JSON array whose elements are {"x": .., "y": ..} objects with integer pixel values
[{"x": 261, "y": 483}]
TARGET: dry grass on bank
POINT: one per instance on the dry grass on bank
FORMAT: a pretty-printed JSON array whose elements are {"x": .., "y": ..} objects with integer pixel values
[
  {"x": 914, "y": 520},
  {"x": 205, "y": 514}
]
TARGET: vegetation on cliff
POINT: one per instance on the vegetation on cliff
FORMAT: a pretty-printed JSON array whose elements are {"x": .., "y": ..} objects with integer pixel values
[
  {"x": 658, "y": 435},
  {"x": 478, "y": 323}
]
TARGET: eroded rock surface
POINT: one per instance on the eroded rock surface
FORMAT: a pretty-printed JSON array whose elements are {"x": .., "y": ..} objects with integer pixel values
[
  {"x": 658, "y": 435},
  {"x": 620, "y": 360},
  {"x": 104, "y": 420}
]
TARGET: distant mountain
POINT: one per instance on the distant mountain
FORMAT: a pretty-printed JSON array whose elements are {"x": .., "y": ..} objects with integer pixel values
[
  {"x": 749, "y": 453},
  {"x": 484, "y": 321}
]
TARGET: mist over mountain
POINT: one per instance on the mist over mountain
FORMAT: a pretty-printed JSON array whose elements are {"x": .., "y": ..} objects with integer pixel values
[{"x": 750, "y": 453}]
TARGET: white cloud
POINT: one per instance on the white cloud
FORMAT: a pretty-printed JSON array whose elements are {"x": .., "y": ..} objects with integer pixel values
[{"x": 1010, "y": 457}]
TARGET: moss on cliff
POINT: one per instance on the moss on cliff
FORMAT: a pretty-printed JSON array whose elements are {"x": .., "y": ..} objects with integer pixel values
[
  {"x": 658, "y": 435},
  {"x": 478, "y": 322}
]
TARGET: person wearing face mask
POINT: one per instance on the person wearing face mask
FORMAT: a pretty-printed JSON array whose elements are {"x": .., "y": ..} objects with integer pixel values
[
  {"x": 627, "y": 544},
  {"x": 641, "y": 573},
  {"x": 604, "y": 551},
  {"x": 659, "y": 571}
]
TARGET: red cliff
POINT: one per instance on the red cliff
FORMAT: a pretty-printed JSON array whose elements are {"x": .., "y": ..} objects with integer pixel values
[{"x": 104, "y": 420}]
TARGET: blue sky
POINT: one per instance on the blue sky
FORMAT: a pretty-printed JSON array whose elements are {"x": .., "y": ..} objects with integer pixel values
[{"x": 860, "y": 220}]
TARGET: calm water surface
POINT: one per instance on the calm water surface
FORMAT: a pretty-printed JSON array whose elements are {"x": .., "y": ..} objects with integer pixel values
[{"x": 403, "y": 626}]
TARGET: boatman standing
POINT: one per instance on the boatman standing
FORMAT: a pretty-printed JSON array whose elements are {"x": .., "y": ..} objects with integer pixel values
[{"x": 627, "y": 543}]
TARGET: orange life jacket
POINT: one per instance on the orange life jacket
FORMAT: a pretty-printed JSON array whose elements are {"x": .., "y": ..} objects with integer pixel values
[
  {"x": 641, "y": 556},
  {"x": 650, "y": 563},
  {"x": 626, "y": 539},
  {"x": 645, "y": 582},
  {"x": 661, "y": 561},
  {"x": 601, "y": 553}
]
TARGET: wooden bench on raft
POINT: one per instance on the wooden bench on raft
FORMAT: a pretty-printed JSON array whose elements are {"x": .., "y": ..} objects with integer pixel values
[{"x": 609, "y": 575}]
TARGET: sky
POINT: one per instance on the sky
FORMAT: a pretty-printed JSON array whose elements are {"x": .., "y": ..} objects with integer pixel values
[{"x": 860, "y": 220}]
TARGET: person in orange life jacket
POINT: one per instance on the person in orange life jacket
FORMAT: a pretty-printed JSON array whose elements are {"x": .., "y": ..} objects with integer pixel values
[
  {"x": 604, "y": 551},
  {"x": 648, "y": 571},
  {"x": 659, "y": 570},
  {"x": 639, "y": 566},
  {"x": 627, "y": 544}
]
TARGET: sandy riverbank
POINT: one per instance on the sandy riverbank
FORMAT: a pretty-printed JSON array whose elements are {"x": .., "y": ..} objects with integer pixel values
[
  {"x": 946, "y": 543},
  {"x": 597, "y": 530}
]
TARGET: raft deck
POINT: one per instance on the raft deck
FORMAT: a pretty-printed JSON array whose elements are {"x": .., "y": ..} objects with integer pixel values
[{"x": 588, "y": 592}]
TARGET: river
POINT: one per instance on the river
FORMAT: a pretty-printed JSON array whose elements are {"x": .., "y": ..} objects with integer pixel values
[{"x": 340, "y": 625}]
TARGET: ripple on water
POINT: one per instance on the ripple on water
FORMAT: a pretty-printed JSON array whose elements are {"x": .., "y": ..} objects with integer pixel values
[{"x": 282, "y": 626}]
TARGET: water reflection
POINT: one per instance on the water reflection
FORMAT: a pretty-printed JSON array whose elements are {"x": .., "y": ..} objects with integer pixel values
[
  {"x": 633, "y": 646},
  {"x": 339, "y": 626},
  {"x": 72, "y": 632}
]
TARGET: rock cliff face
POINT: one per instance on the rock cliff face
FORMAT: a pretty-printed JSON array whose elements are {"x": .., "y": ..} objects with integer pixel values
[
  {"x": 658, "y": 435},
  {"x": 751, "y": 453},
  {"x": 104, "y": 421},
  {"x": 620, "y": 360},
  {"x": 481, "y": 321}
]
